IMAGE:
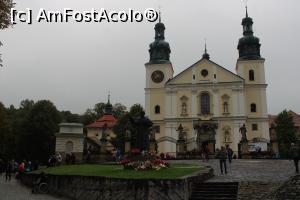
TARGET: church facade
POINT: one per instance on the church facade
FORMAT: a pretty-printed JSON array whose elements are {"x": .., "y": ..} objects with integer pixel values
[{"x": 206, "y": 104}]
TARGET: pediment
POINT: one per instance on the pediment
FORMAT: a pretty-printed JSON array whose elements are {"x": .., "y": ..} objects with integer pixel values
[{"x": 204, "y": 71}]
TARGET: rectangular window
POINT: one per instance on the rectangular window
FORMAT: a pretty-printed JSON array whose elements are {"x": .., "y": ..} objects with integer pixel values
[{"x": 254, "y": 127}]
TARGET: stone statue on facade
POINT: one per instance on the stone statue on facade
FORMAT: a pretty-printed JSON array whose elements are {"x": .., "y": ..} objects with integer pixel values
[
  {"x": 142, "y": 126},
  {"x": 181, "y": 133},
  {"x": 243, "y": 131}
]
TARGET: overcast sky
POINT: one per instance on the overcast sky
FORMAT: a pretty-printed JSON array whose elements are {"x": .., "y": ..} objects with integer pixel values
[{"x": 75, "y": 64}]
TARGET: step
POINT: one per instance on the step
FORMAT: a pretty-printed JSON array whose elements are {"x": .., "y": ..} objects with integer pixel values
[
  {"x": 217, "y": 184},
  {"x": 215, "y": 188},
  {"x": 221, "y": 198},
  {"x": 214, "y": 195},
  {"x": 214, "y": 192}
]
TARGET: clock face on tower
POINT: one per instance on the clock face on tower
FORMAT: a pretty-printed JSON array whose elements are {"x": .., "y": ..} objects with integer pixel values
[{"x": 157, "y": 76}]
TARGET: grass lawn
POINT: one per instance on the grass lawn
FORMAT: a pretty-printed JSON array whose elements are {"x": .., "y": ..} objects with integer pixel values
[{"x": 117, "y": 171}]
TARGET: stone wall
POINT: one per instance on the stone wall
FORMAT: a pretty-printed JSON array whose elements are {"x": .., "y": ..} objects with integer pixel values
[
  {"x": 62, "y": 139},
  {"x": 92, "y": 188}
]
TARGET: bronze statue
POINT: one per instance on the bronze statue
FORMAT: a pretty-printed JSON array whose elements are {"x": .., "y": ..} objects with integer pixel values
[
  {"x": 142, "y": 126},
  {"x": 243, "y": 131}
]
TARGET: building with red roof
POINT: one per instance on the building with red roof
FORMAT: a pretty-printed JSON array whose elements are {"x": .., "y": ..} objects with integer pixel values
[{"x": 100, "y": 132}]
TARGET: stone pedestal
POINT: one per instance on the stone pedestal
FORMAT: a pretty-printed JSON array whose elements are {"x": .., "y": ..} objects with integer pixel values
[
  {"x": 275, "y": 148},
  {"x": 127, "y": 147},
  {"x": 244, "y": 149},
  {"x": 211, "y": 147},
  {"x": 181, "y": 146},
  {"x": 152, "y": 146}
]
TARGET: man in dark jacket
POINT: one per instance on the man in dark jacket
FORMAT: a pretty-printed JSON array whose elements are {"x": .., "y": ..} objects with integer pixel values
[
  {"x": 295, "y": 154},
  {"x": 222, "y": 155},
  {"x": 229, "y": 153},
  {"x": 8, "y": 171}
]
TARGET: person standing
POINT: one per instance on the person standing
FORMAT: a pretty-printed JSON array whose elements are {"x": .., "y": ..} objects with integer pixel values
[
  {"x": 222, "y": 155},
  {"x": 229, "y": 153},
  {"x": 8, "y": 171},
  {"x": 21, "y": 170},
  {"x": 295, "y": 154}
]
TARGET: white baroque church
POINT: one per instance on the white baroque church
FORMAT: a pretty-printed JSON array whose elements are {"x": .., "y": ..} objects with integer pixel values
[{"x": 210, "y": 102}]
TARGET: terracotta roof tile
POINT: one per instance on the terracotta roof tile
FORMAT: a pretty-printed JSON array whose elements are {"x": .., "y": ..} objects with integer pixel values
[{"x": 109, "y": 120}]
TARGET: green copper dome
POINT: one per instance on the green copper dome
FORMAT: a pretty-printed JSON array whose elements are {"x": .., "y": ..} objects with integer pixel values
[
  {"x": 159, "y": 49},
  {"x": 249, "y": 46}
]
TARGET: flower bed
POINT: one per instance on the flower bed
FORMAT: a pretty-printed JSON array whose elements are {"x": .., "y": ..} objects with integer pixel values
[
  {"x": 155, "y": 164},
  {"x": 138, "y": 160}
]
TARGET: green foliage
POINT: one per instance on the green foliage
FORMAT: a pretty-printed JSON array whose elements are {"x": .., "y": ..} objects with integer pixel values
[
  {"x": 119, "y": 110},
  {"x": 5, "y": 10},
  {"x": 5, "y": 134},
  {"x": 28, "y": 132},
  {"x": 69, "y": 117},
  {"x": 123, "y": 124},
  {"x": 40, "y": 125},
  {"x": 285, "y": 131},
  {"x": 99, "y": 110}
]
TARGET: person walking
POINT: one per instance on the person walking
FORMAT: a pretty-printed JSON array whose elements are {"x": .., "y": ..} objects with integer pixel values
[
  {"x": 222, "y": 155},
  {"x": 8, "y": 171},
  {"x": 295, "y": 154},
  {"x": 229, "y": 153}
]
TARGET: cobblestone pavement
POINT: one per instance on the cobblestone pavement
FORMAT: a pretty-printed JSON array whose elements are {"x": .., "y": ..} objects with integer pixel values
[
  {"x": 250, "y": 170},
  {"x": 13, "y": 190}
]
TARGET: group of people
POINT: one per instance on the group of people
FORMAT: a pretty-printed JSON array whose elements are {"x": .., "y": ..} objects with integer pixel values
[
  {"x": 12, "y": 167},
  {"x": 56, "y": 160}
]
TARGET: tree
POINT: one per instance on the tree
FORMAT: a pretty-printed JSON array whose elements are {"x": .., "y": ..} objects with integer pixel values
[
  {"x": 285, "y": 131},
  {"x": 5, "y": 134},
  {"x": 99, "y": 109},
  {"x": 38, "y": 137},
  {"x": 69, "y": 117},
  {"x": 5, "y": 10},
  {"x": 123, "y": 124},
  {"x": 119, "y": 110}
]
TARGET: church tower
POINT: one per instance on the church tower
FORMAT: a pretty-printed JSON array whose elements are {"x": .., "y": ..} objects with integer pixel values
[
  {"x": 250, "y": 66},
  {"x": 158, "y": 71}
]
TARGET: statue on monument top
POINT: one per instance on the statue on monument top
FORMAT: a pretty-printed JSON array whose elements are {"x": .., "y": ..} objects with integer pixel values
[
  {"x": 142, "y": 126},
  {"x": 243, "y": 131}
]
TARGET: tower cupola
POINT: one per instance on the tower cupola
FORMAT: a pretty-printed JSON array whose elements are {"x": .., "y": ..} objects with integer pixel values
[
  {"x": 205, "y": 55},
  {"x": 249, "y": 46},
  {"x": 159, "y": 49}
]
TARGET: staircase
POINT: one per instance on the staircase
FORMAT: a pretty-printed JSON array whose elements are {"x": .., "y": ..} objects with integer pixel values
[{"x": 215, "y": 191}]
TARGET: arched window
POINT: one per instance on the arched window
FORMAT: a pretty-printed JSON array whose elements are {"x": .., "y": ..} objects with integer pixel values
[
  {"x": 69, "y": 147},
  {"x": 253, "y": 107},
  {"x": 157, "y": 109},
  {"x": 205, "y": 103},
  {"x": 251, "y": 75}
]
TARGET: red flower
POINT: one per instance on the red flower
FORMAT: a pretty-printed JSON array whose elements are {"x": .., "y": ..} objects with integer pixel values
[{"x": 135, "y": 151}]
